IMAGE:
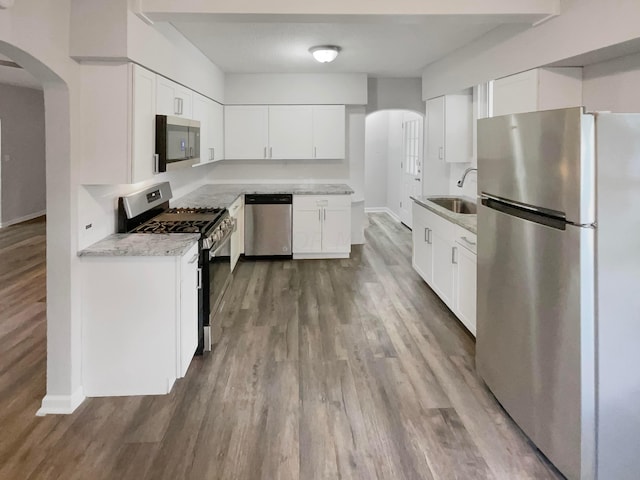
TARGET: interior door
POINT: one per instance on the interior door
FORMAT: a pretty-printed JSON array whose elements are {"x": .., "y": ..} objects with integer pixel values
[{"x": 411, "y": 165}]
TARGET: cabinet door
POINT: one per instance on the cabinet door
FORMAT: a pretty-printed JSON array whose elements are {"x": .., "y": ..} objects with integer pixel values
[
  {"x": 290, "y": 132},
  {"x": 458, "y": 128},
  {"x": 216, "y": 118},
  {"x": 166, "y": 103},
  {"x": 329, "y": 131},
  {"x": 189, "y": 280},
  {"x": 465, "y": 281},
  {"x": 144, "y": 125},
  {"x": 184, "y": 98},
  {"x": 202, "y": 113},
  {"x": 435, "y": 129},
  {"x": 336, "y": 229},
  {"x": 516, "y": 93},
  {"x": 443, "y": 266},
  {"x": 307, "y": 224},
  {"x": 246, "y": 132},
  {"x": 422, "y": 240}
]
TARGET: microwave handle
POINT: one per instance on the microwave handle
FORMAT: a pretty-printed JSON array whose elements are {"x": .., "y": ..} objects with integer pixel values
[{"x": 156, "y": 163}]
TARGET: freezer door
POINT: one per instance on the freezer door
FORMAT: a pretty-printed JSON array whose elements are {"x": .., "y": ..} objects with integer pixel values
[
  {"x": 535, "y": 331},
  {"x": 543, "y": 159}
]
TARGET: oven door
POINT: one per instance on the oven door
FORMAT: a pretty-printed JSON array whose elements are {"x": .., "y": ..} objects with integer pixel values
[{"x": 219, "y": 277}]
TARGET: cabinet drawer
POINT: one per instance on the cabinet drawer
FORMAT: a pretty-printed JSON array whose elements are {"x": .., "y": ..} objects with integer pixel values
[
  {"x": 320, "y": 201},
  {"x": 466, "y": 239}
]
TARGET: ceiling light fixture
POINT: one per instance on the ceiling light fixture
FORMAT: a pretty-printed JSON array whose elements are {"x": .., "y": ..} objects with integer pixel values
[{"x": 325, "y": 53}]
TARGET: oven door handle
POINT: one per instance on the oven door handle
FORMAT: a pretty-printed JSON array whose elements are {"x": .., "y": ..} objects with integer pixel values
[{"x": 222, "y": 243}]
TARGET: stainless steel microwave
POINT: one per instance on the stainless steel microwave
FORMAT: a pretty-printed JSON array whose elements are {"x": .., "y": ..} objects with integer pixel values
[{"x": 177, "y": 143}]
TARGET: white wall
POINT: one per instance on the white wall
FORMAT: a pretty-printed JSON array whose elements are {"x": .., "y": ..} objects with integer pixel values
[
  {"x": 292, "y": 88},
  {"x": 585, "y": 26},
  {"x": 376, "y": 152},
  {"x": 613, "y": 85},
  {"x": 383, "y": 155},
  {"x": 45, "y": 55},
  {"x": 23, "y": 153},
  {"x": 395, "y": 93}
]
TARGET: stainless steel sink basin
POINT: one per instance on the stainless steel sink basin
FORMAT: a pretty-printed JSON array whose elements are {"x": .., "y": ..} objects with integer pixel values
[{"x": 456, "y": 205}]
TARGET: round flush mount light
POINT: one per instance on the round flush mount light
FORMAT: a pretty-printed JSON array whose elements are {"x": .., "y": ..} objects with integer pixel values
[{"x": 325, "y": 53}]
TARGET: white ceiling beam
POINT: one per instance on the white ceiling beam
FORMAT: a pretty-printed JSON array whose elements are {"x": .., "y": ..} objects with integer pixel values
[{"x": 531, "y": 10}]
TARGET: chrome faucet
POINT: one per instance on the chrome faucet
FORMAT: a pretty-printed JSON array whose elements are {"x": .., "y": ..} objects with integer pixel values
[{"x": 464, "y": 175}]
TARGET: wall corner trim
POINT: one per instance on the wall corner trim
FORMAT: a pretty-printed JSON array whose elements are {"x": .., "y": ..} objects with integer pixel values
[{"x": 61, "y": 404}]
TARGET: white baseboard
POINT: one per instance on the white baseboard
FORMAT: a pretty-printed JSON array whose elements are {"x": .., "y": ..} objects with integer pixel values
[
  {"x": 386, "y": 210},
  {"x": 31, "y": 216},
  {"x": 61, "y": 404}
]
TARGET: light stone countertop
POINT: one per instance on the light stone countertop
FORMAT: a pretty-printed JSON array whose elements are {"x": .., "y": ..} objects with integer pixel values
[
  {"x": 142, "y": 245},
  {"x": 223, "y": 195},
  {"x": 468, "y": 221}
]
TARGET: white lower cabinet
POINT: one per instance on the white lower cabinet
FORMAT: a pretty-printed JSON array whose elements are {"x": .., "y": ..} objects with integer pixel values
[
  {"x": 321, "y": 226},
  {"x": 236, "y": 210},
  {"x": 139, "y": 322},
  {"x": 444, "y": 255},
  {"x": 465, "y": 279}
]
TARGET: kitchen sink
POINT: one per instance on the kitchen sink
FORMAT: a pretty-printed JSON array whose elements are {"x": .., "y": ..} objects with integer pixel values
[{"x": 455, "y": 204}]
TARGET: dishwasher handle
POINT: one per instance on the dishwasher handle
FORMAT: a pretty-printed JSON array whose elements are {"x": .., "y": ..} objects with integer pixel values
[{"x": 268, "y": 199}]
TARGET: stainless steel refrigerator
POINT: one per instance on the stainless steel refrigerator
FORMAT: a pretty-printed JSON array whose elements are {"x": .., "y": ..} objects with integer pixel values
[{"x": 558, "y": 334}]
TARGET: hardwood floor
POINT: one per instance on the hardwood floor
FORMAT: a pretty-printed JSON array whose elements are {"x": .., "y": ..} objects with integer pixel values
[{"x": 343, "y": 369}]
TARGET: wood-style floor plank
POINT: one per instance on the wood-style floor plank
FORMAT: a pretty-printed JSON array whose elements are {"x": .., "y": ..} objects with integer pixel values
[{"x": 322, "y": 369}]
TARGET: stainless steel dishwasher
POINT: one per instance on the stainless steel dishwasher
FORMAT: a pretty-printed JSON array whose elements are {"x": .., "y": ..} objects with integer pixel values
[{"x": 267, "y": 225}]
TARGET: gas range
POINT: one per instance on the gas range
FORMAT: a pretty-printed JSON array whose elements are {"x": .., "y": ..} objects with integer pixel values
[{"x": 148, "y": 212}]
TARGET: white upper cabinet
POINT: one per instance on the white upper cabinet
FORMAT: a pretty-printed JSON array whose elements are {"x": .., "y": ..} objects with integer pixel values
[
  {"x": 537, "y": 90},
  {"x": 285, "y": 132},
  {"x": 290, "y": 132},
  {"x": 118, "y": 128},
  {"x": 246, "y": 131},
  {"x": 449, "y": 128},
  {"x": 210, "y": 116},
  {"x": 329, "y": 131},
  {"x": 173, "y": 99}
]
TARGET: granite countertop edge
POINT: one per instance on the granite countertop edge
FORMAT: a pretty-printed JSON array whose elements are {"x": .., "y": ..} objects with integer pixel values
[
  {"x": 142, "y": 245},
  {"x": 466, "y": 221}
]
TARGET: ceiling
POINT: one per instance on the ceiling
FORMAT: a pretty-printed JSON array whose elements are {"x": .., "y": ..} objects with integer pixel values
[
  {"x": 17, "y": 76},
  {"x": 380, "y": 49}
]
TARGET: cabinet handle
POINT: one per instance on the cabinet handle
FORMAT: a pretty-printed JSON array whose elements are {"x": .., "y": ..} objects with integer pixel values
[
  {"x": 156, "y": 163},
  {"x": 429, "y": 236},
  {"x": 325, "y": 213},
  {"x": 199, "y": 278},
  {"x": 315, "y": 152},
  {"x": 454, "y": 255},
  {"x": 213, "y": 153},
  {"x": 181, "y": 106},
  {"x": 467, "y": 241},
  {"x": 426, "y": 238},
  {"x": 441, "y": 153},
  {"x": 270, "y": 152},
  {"x": 319, "y": 214},
  {"x": 265, "y": 152}
]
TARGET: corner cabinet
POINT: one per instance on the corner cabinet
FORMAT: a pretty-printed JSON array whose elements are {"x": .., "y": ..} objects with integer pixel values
[
  {"x": 321, "y": 226},
  {"x": 449, "y": 125},
  {"x": 144, "y": 345},
  {"x": 444, "y": 255},
  {"x": 118, "y": 124},
  {"x": 284, "y": 132}
]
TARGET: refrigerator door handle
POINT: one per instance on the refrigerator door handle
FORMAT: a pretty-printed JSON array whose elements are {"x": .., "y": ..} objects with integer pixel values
[{"x": 524, "y": 212}]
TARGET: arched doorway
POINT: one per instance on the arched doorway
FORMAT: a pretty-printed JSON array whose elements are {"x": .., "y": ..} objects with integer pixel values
[
  {"x": 393, "y": 161},
  {"x": 63, "y": 388}
]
